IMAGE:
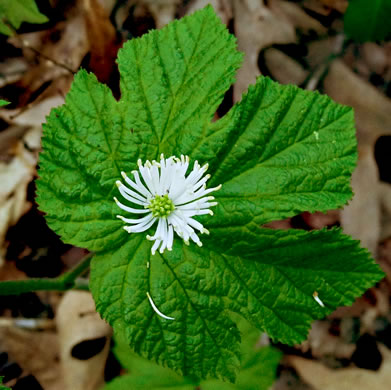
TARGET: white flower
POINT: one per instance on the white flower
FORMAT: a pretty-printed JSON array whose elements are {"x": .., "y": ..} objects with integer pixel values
[{"x": 169, "y": 198}]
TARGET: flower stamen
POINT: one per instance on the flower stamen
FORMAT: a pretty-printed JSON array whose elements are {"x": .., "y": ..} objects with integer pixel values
[
  {"x": 317, "y": 299},
  {"x": 157, "y": 311},
  {"x": 161, "y": 206}
]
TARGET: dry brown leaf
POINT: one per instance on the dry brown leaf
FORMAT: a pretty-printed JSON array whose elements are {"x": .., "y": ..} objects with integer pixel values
[
  {"x": 15, "y": 177},
  {"x": 257, "y": 26},
  {"x": 102, "y": 40},
  {"x": 324, "y": 7},
  {"x": 380, "y": 309},
  {"x": 163, "y": 11},
  {"x": 107, "y": 5},
  {"x": 339, "y": 5},
  {"x": 78, "y": 322},
  {"x": 223, "y": 8},
  {"x": 36, "y": 352},
  {"x": 322, "y": 343},
  {"x": 319, "y": 51},
  {"x": 361, "y": 218},
  {"x": 33, "y": 116},
  {"x": 12, "y": 70},
  {"x": 21, "y": 142},
  {"x": 375, "y": 57},
  {"x": 320, "y": 220},
  {"x": 299, "y": 18},
  {"x": 372, "y": 108},
  {"x": 385, "y": 258},
  {"x": 283, "y": 68},
  {"x": 61, "y": 48},
  {"x": 324, "y": 378},
  {"x": 385, "y": 201},
  {"x": 280, "y": 224}
]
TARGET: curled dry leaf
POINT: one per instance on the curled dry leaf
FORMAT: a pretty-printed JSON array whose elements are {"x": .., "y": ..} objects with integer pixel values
[
  {"x": 299, "y": 18},
  {"x": 320, "y": 50},
  {"x": 15, "y": 176},
  {"x": 375, "y": 57},
  {"x": 323, "y": 378},
  {"x": 84, "y": 340},
  {"x": 361, "y": 218},
  {"x": 283, "y": 68},
  {"x": 339, "y": 5},
  {"x": 371, "y": 107},
  {"x": 163, "y": 11},
  {"x": 33, "y": 116},
  {"x": 21, "y": 141},
  {"x": 385, "y": 258},
  {"x": 12, "y": 70},
  {"x": 102, "y": 39},
  {"x": 385, "y": 201},
  {"x": 258, "y": 26},
  {"x": 40, "y": 358},
  {"x": 223, "y": 8},
  {"x": 325, "y": 7},
  {"x": 322, "y": 343},
  {"x": 320, "y": 220},
  {"x": 61, "y": 50}
]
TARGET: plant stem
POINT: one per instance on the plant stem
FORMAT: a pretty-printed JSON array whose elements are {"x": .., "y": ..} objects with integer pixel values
[{"x": 64, "y": 282}]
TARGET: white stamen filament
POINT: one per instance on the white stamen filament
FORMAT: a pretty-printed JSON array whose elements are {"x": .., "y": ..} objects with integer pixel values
[
  {"x": 317, "y": 299},
  {"x": 157, "y": 310}
]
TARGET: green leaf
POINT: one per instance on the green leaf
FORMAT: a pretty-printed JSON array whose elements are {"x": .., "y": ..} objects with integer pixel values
[
  {"x": 173, "y": 80},
  {"x": 200, "y": 341},
  {"x": 3, "y": 102},
  {"x": 266, "y": 276},
  {"x": 278, "y": 152},
  {"x": 274, "y": 274},
  {"x": 90, "y": 138},
  {"x": 84, "y": 142},
  {"x": 257, "y": 372},
  {"x": 368, "y": 20},
  {"x": 15, "y": 12}
]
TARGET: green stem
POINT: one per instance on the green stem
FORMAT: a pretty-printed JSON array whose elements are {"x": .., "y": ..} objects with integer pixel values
[{"x": 64, "y": 282}]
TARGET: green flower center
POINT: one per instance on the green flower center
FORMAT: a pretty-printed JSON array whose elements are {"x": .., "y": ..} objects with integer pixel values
[{"x": 161, "y": 206}]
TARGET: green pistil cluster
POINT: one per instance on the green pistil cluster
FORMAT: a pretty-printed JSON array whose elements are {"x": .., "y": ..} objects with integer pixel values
[{"x": 161, "y": 206}]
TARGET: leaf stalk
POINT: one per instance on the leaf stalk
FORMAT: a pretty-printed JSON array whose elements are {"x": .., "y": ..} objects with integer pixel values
[{"x": 69, "y": 280}]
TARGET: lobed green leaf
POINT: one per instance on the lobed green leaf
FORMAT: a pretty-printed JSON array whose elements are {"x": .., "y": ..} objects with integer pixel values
[
  {"x": 268, "y": 277},
  {"x": 15, "y": 12},
  {"x": 278, "y": 152}
]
